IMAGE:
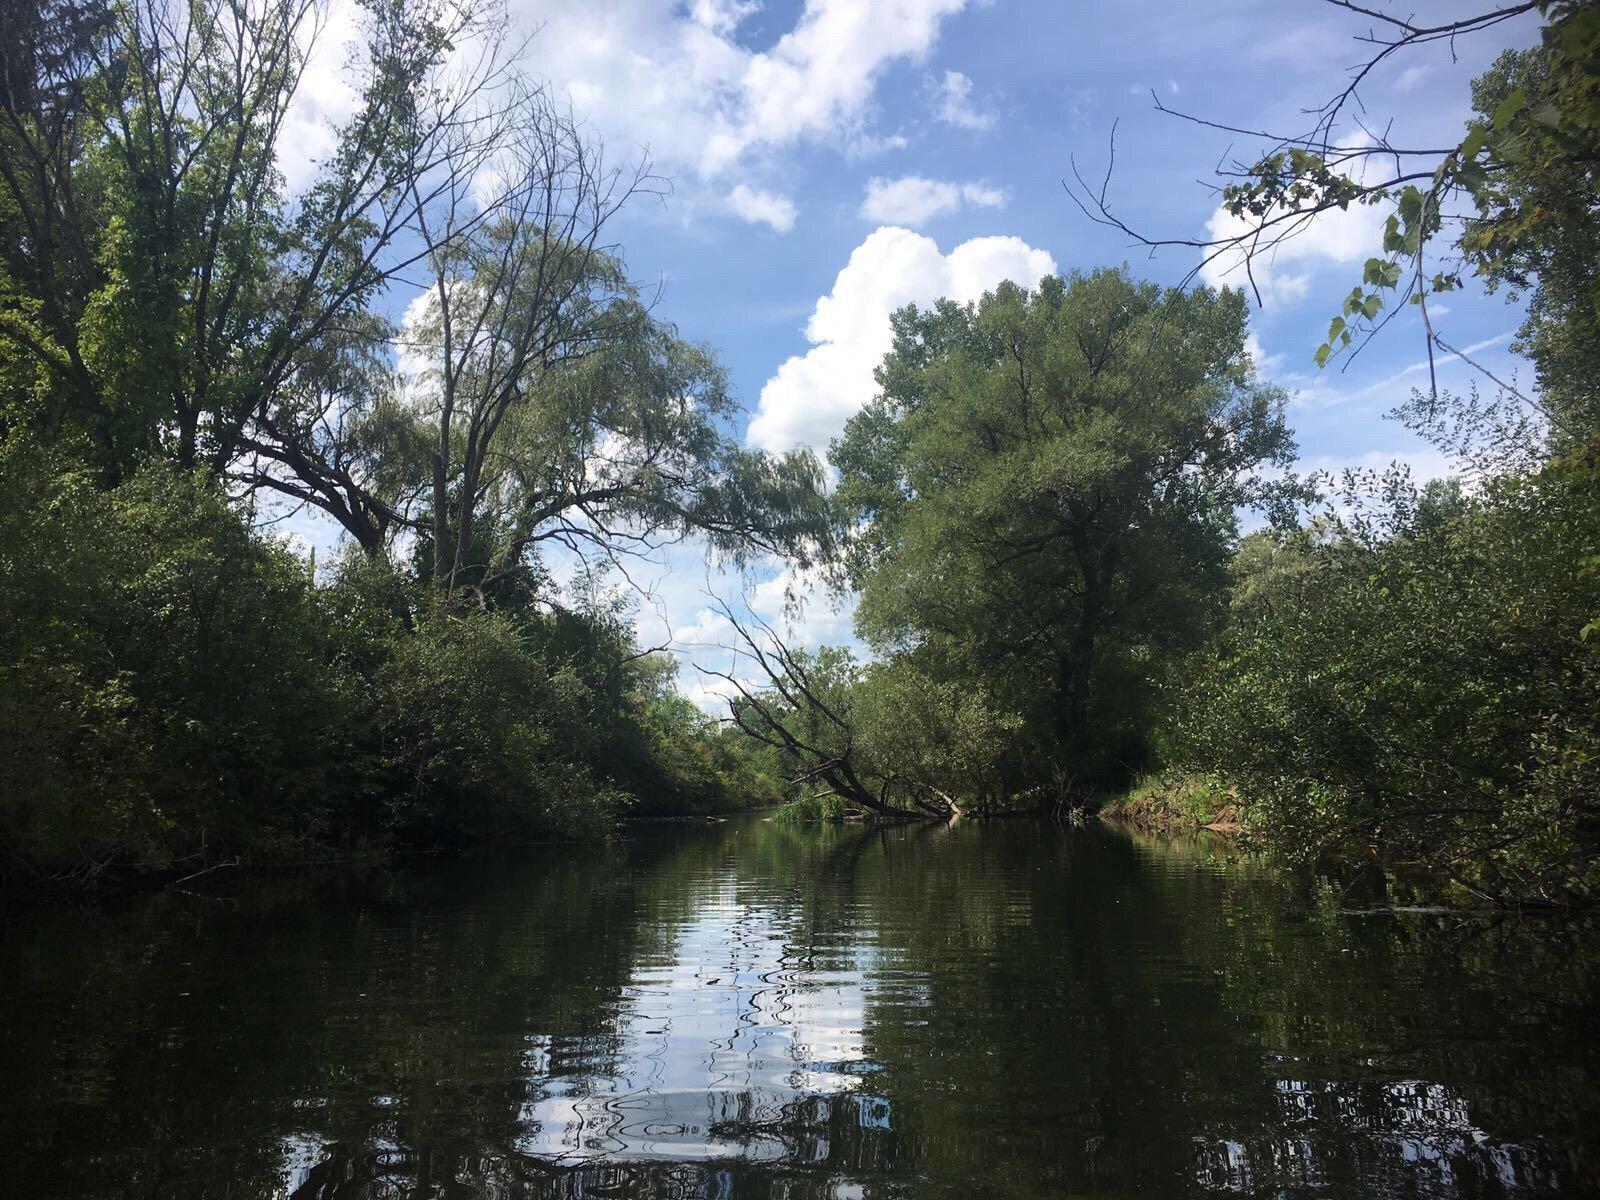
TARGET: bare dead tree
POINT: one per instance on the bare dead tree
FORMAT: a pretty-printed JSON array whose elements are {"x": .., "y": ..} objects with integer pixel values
[{"x": 794, "y": 715}]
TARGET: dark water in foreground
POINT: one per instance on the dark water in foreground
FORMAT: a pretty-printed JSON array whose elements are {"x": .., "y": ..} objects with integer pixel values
[{"x": 755, "y": 1010}]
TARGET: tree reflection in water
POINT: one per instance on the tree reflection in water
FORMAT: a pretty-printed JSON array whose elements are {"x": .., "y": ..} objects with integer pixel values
[{"x": 766, "y": 1011}]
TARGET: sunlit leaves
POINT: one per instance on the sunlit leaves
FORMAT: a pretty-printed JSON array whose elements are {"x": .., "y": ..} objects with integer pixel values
[{"x": 1043, "y": 492}]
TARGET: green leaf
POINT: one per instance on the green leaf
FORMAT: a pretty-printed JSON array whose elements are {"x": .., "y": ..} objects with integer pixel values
[
  {"x": 1322, "y": 354},
  {"x": 1392, "y": 240},
  {"x": 1547, "y": 114},
  {"x": 1508, "y": 108}
]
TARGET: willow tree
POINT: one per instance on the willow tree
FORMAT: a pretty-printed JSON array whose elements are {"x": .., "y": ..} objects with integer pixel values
[
  {"x": 552, "y": 407},
  {"x": 1045, "y": 492},
  {"x": 167, "y": 290},
  {"x": 164, "y": 288}
]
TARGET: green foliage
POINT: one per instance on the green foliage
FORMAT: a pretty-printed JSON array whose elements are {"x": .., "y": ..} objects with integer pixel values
[
  {"x": 478, "y": 733},
  {"x": 929, "y": 735},
  {"x": 1174, "y": 803},
  {"x": 683, "y": 761},
  {"x": 813, "y": 810},
  {"x": 1044, "y": 495},
  {"x": 1414, "y": 678},
  {"x": 622, "y": 426},
  {"x": 1537, "y": 232},
  {"x": 182, "y": 333},
  {"x": 174, "y": 688},
  {"x": 161, "y": 675}
]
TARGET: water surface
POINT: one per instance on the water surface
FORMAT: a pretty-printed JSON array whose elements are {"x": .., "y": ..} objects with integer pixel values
[{"x": 756, "y": 1010}]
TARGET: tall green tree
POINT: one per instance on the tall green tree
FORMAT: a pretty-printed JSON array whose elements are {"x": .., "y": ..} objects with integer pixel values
[
  {"x": 1536, "y": 232},
  {"x": 1044, "y": 495},
  {"x": 162, "y": 288},
  {"x": 552, "y": 408}
]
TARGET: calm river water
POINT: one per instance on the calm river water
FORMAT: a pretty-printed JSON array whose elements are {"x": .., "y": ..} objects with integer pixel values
[{"x": 754, "y": 1010}]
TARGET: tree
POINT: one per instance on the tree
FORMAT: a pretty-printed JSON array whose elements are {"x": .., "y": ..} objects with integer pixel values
[
  {"x": 1044, "y": 495},
  {"x": 1520, "y": 190},
  {"x": 163, "y": 288},
  {"x": 553, "y": 407},
  {"x": 164, "y": 682},
  {"x": 1409, "y": 674},
  {"x": 1537, "y": 229},
  {"x": 167, "y": 292}
]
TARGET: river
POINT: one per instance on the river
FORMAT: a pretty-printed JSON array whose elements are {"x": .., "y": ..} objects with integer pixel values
[{"x": 748, "y": 1009}]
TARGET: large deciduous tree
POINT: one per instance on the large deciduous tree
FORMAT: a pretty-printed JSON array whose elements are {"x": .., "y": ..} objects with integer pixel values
[
  {"x": 163, "y": 288},
  {"x": 1044, "y": 495},
  {"x": 554, "y": 407}
]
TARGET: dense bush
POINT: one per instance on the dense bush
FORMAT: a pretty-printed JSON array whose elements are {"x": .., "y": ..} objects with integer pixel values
[
  {"x": 161, "y": 681},
  {"x": 1421, "y": 683},
  {"x": 479, "y": 734},
  {"x": 176, "y": 689}
]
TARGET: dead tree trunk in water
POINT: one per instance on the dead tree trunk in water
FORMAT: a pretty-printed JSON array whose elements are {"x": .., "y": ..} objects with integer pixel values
[{"x": 828, "y": 758}]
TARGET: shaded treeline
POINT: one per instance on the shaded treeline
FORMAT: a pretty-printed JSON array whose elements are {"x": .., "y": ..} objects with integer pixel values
[
  {"x": 423, "y": 335},
  {"x": 1044, "y": 507}
]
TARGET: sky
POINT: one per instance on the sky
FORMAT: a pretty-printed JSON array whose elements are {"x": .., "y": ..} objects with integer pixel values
[{"x": 832, "y": 160}]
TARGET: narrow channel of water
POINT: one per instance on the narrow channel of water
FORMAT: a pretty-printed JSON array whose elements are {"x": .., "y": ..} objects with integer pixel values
[{"x": 749, "y": 1009}]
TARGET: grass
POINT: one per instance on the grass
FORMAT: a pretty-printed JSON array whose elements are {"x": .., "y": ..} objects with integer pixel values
[
  {"x": 1176, "y": 804},
  {"x": 811, "y": 810}
]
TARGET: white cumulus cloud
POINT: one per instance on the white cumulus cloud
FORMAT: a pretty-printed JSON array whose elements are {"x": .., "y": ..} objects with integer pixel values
[
  {"x": 1411, "y": 78},
  {"x": 812, "y": 395},
  {"x": 762, "y": 208},
  {"x": 722, "y": 16},
  {"x": 325, "y": 98},
  {"x": 673, "y": 77},
  {"x": 913, "y": 200},
  {"x": 955, "y": 105}
]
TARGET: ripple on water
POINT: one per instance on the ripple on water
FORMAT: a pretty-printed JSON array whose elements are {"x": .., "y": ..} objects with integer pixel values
[{"x": 813, "y": 1014}]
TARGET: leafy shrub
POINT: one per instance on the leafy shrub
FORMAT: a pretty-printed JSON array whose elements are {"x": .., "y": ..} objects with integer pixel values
[
  {"x": 478, "y": 732},
  {"x": 811, "y": 810},
  {"x": 1418, "y": 682},
  {"x": 162, "y": 689}
]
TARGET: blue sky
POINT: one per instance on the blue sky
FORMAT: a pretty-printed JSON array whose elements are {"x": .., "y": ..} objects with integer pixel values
[{"x": 833, "y": 159}]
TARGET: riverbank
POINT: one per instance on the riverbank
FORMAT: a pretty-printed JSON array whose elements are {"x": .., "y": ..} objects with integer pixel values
[{"x": 1176, "y": 803}]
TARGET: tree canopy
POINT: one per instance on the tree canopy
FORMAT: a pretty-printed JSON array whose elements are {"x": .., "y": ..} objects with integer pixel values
[{"x": 1043, "y": 496}]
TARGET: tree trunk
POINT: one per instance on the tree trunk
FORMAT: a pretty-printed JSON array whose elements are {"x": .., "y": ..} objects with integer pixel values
[
  {"x": 1074, "y": 668},
  {"x": 441, "y": 518}
]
